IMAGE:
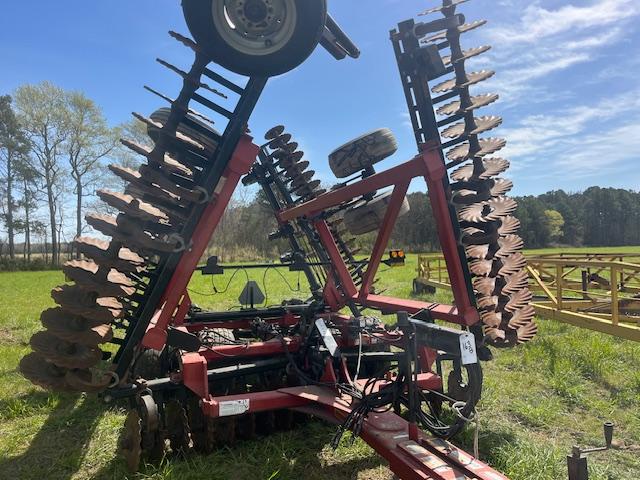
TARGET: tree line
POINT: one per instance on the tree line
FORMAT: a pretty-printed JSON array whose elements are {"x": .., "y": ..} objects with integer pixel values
[
  {"x": 54, "y": 146},
  {"x": 596, "y": 217}
]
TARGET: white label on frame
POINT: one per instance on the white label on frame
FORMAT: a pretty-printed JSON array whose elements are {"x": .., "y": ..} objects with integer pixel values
[
  {"x": 233, "y": 407},
  {"x": 468, "y": 349}
]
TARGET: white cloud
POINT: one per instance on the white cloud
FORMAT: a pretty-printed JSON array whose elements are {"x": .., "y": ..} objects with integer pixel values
[{"x": 538, "y": 23}]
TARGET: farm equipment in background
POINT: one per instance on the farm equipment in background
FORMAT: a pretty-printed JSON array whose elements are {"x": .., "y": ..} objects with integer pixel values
[{"x": 200, "y": 379}]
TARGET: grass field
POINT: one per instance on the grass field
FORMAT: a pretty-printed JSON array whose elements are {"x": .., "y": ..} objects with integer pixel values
[{"x": 538, "y": 401}]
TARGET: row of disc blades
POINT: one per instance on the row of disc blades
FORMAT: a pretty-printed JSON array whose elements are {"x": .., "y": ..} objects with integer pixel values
[
  {"x": 293, "y": 168},
  {"x": 183, "y": 426},
  {"x": 108, "y": 280},
  {"x": 485, "y": 213}
]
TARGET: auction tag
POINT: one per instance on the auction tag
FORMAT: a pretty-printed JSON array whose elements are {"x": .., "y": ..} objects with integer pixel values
[
  {"x": 233, "y": 407},
  {"x": 468, "y": 349},
  {"x": 327, "y": 337}
]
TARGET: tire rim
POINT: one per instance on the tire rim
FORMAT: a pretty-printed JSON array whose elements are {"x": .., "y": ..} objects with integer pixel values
[{"x": 255, "y": 27}]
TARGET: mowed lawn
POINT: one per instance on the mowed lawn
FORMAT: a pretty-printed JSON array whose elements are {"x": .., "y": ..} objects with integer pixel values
[{"x": 538, "y": 401}]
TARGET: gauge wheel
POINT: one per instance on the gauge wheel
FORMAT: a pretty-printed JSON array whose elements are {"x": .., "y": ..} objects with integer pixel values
[{"x": 261, "y": 38}]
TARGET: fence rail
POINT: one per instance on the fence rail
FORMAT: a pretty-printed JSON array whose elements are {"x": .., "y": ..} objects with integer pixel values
[{"x": 598, "y": 291}]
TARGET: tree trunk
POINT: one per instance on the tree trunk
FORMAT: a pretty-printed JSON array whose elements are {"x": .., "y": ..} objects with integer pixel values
[
  {"x": 27, "y": 222},
  {"x": 52, "y": 222},
  {"x": 78, "y": 213},
  {"x": 10, "y": 226}
]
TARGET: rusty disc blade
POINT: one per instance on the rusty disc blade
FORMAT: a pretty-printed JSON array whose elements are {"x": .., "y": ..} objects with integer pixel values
[
  {"x": 526, "y": 332},
  {"x": 87, "y": 381},
  {"x": 480, "y": 267},
  {"x": 302, "y": 179},
  {"x": 182, "y": 139},
  {"x": 512, "y": 264},
  {"x": 188, "y": 193},
  {"x": 489, "y": 167},
  {"x": 297, "y": 168},
  {"x": 509, "y": 225},
  {"x": 515, "y": 282},
  {"x": 462, "y": 29},
  {"x": 482, "y": 124},
  {"x": 480, "y": 252},
  {"x": 491, "y": 319},
  {"x": 77, "y": 301},
  {"x": 165, "y": 161},
  {"x": 106, "y": 283},
  {"x": 64, "y": 354},
  {"x": 487, "y": 302},
  {"x": 466, "y": 55},
  {"x": 518, "y": 300},
  {"x": 274, "y": 132},
  {"x": 98, "y": 251},
  {"x": 132, "y": 206},
  {"x": 173, "y": 205},
  {"x": 73, "y": 331},
  {"x": 291, "y": 159},
  {"x": 477, "y": 101},
  {"x": 485, "y": 285},
  {"x": 307, "y": 188},
  {"x": 290, "y": 147},
  {"x": 487, "y": 147},
  {"x": 472, "y": 78},
  {"x": 501, "y": 186},
  {"x": 280, "y": 141},
  {"x": 205, "y": 136},
  {"x": 488, "y": 211},
  {"x": 522, "y": 317},
  {"x": 35, "y": 368},
  {"x": 496, "y": 337},
  {"x": 443, "y": 7},
  {"x": 506, "y": 246},
  {"x": 125, "y": 173}
]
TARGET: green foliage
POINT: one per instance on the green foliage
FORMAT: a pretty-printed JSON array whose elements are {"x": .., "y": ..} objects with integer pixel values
[
  {"x": 555, "y": 222},
  {"x": 538, "y": 401},
  {"x": 8, "y": 264}
]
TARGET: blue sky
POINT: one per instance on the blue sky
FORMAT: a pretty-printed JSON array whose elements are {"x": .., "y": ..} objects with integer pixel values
[{"x": 568, "y": 74}]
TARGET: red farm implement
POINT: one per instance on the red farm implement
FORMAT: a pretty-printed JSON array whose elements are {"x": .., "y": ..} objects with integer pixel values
[{"x": 200, "y": 379}]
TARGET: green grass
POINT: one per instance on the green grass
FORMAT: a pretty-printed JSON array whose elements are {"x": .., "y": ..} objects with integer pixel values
[{"x": 538, "y": 401}]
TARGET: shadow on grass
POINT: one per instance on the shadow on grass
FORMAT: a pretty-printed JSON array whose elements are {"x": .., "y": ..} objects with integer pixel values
[
  {"x": 56, "y": 452},
  {"x": 295, "y": 454}
]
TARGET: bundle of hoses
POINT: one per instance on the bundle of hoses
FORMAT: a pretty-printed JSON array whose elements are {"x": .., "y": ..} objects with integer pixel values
[{"x": 485, "y": 213}]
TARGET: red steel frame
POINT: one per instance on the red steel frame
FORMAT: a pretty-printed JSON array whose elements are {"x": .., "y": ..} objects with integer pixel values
[
  {"x": 429, "y": 165},
  {"x": 411, "y": 454}
]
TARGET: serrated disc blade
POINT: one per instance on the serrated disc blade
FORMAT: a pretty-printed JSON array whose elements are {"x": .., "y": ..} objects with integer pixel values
[
  {"x": 483, "y": 124},
  {"x": 132, "y": 206},
  {"x": 488, "y": 211},
  {"x": 98, "y": 251},
  {"x": 274, "y": 132},
  {"x": 467, "y": 54},
  {"x": 518, "y": 300},
  {"x": 280, "y": 141},
  {"x": 487, "y": 147},
  {"x": 491, "y": 167},
  {"x": 443, "y": 7},
  {"x": 77, "y": 301},
  {"x": 302, "y": 179},
  {"x": 509, "y": 225},
  {"x": 472, "y": 78},
  {"x": 462, "y": 29},
  {"x": 86, "y": 381},
  {"x": 512, "y": 264},
  {"x": 35, "y": 368},
  {"x": 477, "y": 101},
  {"x": 480, "y": 267},
  {"x": 86, "y": 275},
  {"x": 491, "y": 319},
  {"x": 63, "y": 353},
  {"x": 526, "y": 332},
  {"x": 515, "y": 282},
  {"x": 522, "y": 316}
]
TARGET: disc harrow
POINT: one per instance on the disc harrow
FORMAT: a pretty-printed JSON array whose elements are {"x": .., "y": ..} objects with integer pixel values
[
  {"x": 202, "y": 379},
  {"x": 489, "y": 230}
]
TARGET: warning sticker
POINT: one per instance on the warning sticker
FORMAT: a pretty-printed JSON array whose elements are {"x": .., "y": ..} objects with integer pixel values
[
  {"x": 233, "y": 407},
  {"x": 327, "y": 337}
]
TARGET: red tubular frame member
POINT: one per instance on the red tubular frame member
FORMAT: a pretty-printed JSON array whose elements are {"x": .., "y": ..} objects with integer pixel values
[
  {"x": 239, "y": 165},
  {"x": 430, "y": 166}
]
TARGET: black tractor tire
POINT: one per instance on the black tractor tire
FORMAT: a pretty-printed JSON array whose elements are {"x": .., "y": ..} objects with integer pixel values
[
  {"x": 369, "y": 216},
  {"x": 303, "y": 26},
  {"x": 362, "y": 152}
]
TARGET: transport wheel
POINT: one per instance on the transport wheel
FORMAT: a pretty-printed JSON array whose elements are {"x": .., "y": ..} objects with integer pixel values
[
  {"x": 362, "y": 152},
  {"x": 257, "y": 37},
  {"x": 369, "y": 216}
]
